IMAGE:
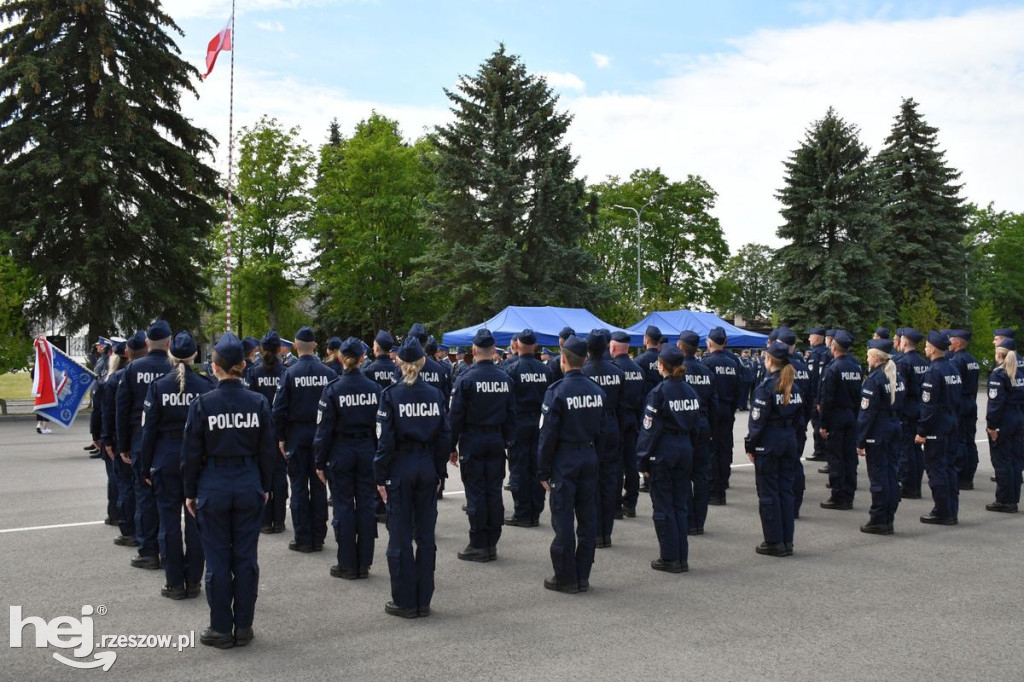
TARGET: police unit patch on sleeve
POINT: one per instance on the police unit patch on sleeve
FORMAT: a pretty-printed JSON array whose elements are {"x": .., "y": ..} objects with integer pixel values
[
  {"x": 380, "y": 429},
  {"x": 648, "y": 422},
  {"x": 865, "y": 403},
  {"x": 319, "y": 416},
  {"x": 993, "y": 393},
  {"x": 926, "y": 396},
  {"x": 755, "y": 413}
]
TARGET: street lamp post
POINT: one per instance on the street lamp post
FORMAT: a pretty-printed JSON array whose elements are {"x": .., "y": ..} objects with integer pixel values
[{"x": 638, "y": 213}]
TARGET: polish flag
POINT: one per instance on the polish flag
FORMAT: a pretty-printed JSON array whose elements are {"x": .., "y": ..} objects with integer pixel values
[
  {"x": 46, "y": 384},
  {"x": 221, "y": 41}
]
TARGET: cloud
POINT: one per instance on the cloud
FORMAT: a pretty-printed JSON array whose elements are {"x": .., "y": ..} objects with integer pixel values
[
  {"x": 735, "y": 117},
  {"x": 273, "y": 26},
  {"x": 564, "y": 81},
  {"x": 601, "y": 61}
]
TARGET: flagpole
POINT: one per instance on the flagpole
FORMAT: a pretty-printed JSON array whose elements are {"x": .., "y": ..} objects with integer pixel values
[{"x": 231, "y": 145}]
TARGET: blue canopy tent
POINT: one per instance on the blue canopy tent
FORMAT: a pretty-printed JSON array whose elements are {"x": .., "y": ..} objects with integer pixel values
[
  {"x": 673, "y": 322},
  {"x": 545, "y": 321}
]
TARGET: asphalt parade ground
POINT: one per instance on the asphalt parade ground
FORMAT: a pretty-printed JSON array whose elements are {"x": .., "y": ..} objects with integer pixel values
[{"x": 928, "y": 603}]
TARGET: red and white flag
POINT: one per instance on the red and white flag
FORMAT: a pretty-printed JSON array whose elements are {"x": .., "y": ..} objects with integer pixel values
[
  {"x": 221, "y": 41},
  {"x": 47, "y": 383}
]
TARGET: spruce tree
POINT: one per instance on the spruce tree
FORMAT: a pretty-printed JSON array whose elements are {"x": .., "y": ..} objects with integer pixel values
[
  {"x": 102, "y": 190},
  {"x": 831, "y": 270},
  {"x": 508, "y": 213},
  {"x": 923, "y": 212}
]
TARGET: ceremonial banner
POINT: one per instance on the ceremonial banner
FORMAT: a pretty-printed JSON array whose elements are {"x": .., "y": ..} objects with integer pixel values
[{"x": 59, "y": 384}]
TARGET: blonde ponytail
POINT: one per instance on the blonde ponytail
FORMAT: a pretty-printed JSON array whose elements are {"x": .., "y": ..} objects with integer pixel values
[
  {"x": 889, "y": 369},
  {"x": 411, "y": 370},
  {"x": 1010, "y": 365},
  {"x": 787, "y": 375}
]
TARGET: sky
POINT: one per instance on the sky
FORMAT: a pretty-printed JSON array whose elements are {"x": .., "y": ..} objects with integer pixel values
[{"x": 725, "y": 89}]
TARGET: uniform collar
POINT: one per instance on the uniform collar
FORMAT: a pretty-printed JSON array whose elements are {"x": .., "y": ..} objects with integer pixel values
[{"x": 230, "y": 384}]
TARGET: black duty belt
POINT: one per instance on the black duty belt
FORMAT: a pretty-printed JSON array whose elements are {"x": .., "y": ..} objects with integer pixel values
[
  {"x": 482, "y": 428},
  {"x": 357, "y": 435},
  {"x": 528, "y": 414},
  {"x": 674, "y": 432},
  {"x": 575, "y": 444},
  {"x": 230, "y": 461},
  {"x": 788, "y": 423},
  {"x": 412, "y": 442}
]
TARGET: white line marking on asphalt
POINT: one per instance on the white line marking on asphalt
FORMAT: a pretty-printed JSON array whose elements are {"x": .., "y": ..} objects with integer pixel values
[{"x": 59, "y": 525}]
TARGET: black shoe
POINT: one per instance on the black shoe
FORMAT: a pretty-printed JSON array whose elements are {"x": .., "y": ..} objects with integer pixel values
[
  {"x": 464, "y": 507},
  {"x": 126, "y": 541},
  {"x": 150, "y": 563},
  {"x": 668, "y": 566},
  {"x": 773, "y": 549},
  {"x": 966, "y": 485},
  {"x": 695, "y": 531},
  {"x": 243, "y": 636},
  {"x": 173, "y": 592},
  {"x": 211, "y": 637},
  {"x": 992, "y": 478},
  {"x": 344, "y": 573},
  {"x": 296, "y": 547},
  {"x": 423, "y": 612},
  {"x": 603, "y": 542},
  {"x": 832, "y": 504},
  {"x": 393, "y": 609},
  {"x": 90, "y": 448},
  {"x": 506, "y": 487},
  {"x": 904, "y": 495},
  {"x": 520, "y": 523},
  {"x": 789, "y": 548},
  {"x": 618, "y": 515},
  {"x": 584, "y": 585},
  {"x": 280, "y": 527},
  {"x": 822, "y": 470},
  {"x": 932, "y": 518},
  {"x": 717, "y": 500},
  {"x": 382, "y": 518},
  {"x": 440, "y": 496},
  {"x": 267, "y": 529},
  {"x": 192, "y": 590},
  {"x": 318, "y": 546},
  {"x": 478, "y": 554},
  {"x": 364, "y": 572},
  {"x": 96, "y": 454},
  {"x": 110, "y": 522},
  {"x": 629, "y": 512},
  {"x": 876, "y": 529},
  {"x": 644, "y": 488},
  {"x": 569, "y": 588},
  {"x": 1002, "y": 507},
  {"x": 815, "y": 458},
  {"x": 492, "y": 553}
]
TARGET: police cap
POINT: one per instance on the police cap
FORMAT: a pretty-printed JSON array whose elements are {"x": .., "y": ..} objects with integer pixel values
[
  {"x": 287, "y": 344},
  {"x": 787, "y": 336},
  {"x": 939, "y": 340},
  {"x": 528, "y": 337},
  {"x": 773, "y": 335},
  {"x": 229, "y": 348},
  {"x": 411, "y": 350},
  {"x": 120, "y": 346},
  {"x": 305, "y": 335},
  {"x": 690, "y": 337},
  {"x": 884, "y": 345},
  {"x": 820, "y": 331},
  {"x": 882, "y": 332},
  {"x": 183, "y": 346},
  {"x": 670, "y": 355},
  {"x": 333, "y": 343},
  {"x": 1008, "y": 344},
  {"x": 779, "y": 350},
  {"x": 653, "y": 332},
  {"x": 576, "y": 346},
  {"x": 350, "y": 347},
  {"x": 718, "y": 336},
  {"x": 843, "y": 339},
  {"x": 596, "y": 341},
  {"x": 271, "y": 341},
  {"x": 1005, "y": 331},
  {"x": 419, "y": 331},
  {"x": 158, "y": 330},
  {"x": 248, "y": 344},
  {"x": 384, "y": 340},
  {"x": 831, "y": 333},
  {"x": 620, "y": 337},
  {"x": 960, "y": 334},
  {"x": 137, "y": 341},
  {"x": 431, "y": 346},
  {"x": 483, "y": 338},
  {"x": 566, "y": 333}
]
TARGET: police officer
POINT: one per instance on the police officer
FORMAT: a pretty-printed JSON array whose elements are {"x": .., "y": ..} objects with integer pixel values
[
  {"x": 819, "y": 359},
  {"x": 295, "y": 411},
  {"x": 412, "y": 450},
  {"x": 163, "y": 431},
  {"x": 249, "y": 347},
  {"x": 265, "y": 379},
  {"x": 634, "y": 394},
  {"x": 1003, "y": 424},
  {"x": 776, "y": 415},
  {"x": 941, "y": 388},
  {"x": 124, "y": 352},
  {"x": 433, "y": 372},
  {"x": 382, "y": 369},
  {"x": 483, "y": 426},
  {"x": 344, "y": 446},
  {"x": 725, "y": 373},
  {"x": 555, "y": 363},
  {"x": 287, "y": 357},
  {"x": 131, "y": 394},
  {"x": 912, "y": 368},
  {"x": 609, "y": 456},
  {"x": 839, "y": 400},
  {"x": 530, "y": 380},
  {"x": 878, "y": 435},
  {"x": 567, "y": 465},
  {"x": 702, "y": 380},
  {"x": 747, "y": 369},
  {"x": 967, "y": 423},
  {"x": 648, "y": 360},
  {"x": 227, "y": 461},
  {"x": 333, "y": 359},
  {"x": 802, "y": 379},
  {"x": 672, "y": 420}
]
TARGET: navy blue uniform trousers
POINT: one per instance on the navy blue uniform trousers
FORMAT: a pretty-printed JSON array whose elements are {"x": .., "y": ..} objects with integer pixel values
[
  {"x": 527, "y": 491},
  {"x": 147, "y": 521},
  {"x": 774, "y": 472},
  {"x": 412, "y": 515},
  {"x": 354, "y": 495},
  {"x": 309, "y": 495},
  {"x": 482, "y": 460},
  {"x": 883, "y": 473},
  {"x": 671, "y": 474},
  {"x": 183, "y": 563},
  {"x": 574, "y": 497}
]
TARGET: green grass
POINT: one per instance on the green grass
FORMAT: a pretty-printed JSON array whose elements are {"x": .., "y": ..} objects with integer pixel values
[{"x": 16, "y": 386}]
